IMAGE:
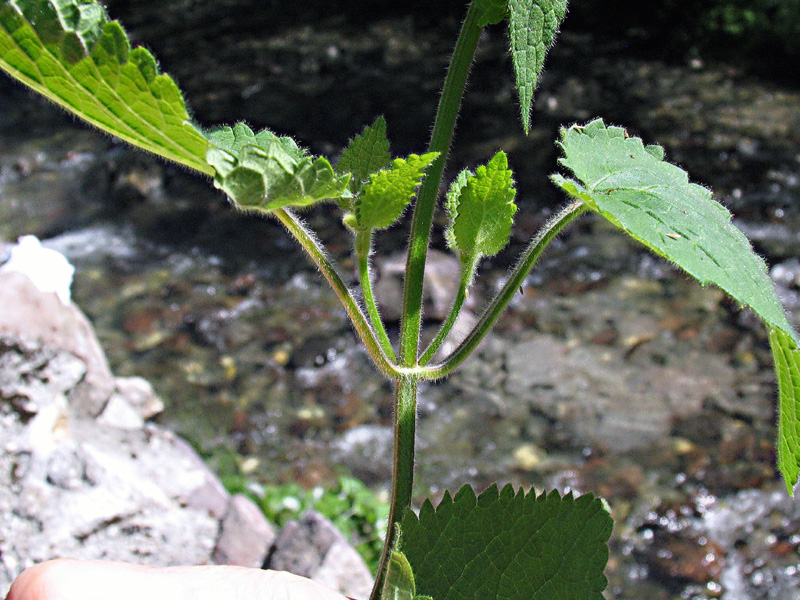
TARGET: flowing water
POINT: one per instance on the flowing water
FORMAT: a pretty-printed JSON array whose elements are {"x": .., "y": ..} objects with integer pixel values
[{"x": 612, "y": 373}]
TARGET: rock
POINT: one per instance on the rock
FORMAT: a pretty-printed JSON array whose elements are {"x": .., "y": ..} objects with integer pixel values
[
  {"x": 118, "y": 413},
  {"x": 245, "y": 536},
  {"x": 685, "y": 559},
  {"x": 366, "y": 450},
  {"x": 313, "y": 547},
  {"x": 442, "y": 275},
  {"x": 601, "y": 398},
  {"x": 33, "y": 315},
  {"x": 73, "y": 485},
  {"x": 48, "y": 269},
  {"x": 139, "y": 394}
]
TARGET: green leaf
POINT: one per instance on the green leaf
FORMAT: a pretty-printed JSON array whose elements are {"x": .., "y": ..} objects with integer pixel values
[
  {"x": 68, "y": 51},
  {"x": 387, "y": 193},
  {"x": 482, "y": 210},
  {"x": 399, "y": 581},
  {"x": 451, "y": 205},
  {"x": 513, "y": 546},
  {"x": 367, "y": 153},
  {"x": 532, "y": 29},
  {"x": 267, "y": 172},
  {"x": 491, "y": 11},
  {"x": 652, "y": 200},
  {"x": 787, "y": 368}
]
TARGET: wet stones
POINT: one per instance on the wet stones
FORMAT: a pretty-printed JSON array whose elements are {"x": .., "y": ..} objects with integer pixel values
[{"x": 314, "y": 548}]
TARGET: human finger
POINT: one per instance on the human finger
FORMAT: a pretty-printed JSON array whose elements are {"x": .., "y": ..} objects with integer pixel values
[{"x": 105, "y": 580}]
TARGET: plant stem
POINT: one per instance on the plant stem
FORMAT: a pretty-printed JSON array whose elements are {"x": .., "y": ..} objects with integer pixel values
[
  {"x": 363, "y": 251},
  {"x": 314, "y": 250},
  {"x": 443, "y": 128},
  {"x": 463, "y": 289},
  {"x": 405, "y": 422},
  {"x": 514, "y": 282}
]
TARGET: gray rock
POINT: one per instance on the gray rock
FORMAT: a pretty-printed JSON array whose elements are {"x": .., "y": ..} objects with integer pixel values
[
  {"x": 118, "y": 413},
  {"x": 313, "y": 547},
  {"x": 139, "y": 395},
  {"x": 83, "y": 475},
  {"x": 601, "y": 398},
  {"x": 245, "y": 536},
  {"x": 71, "y": 485},
  {"x": 366, "y": 450},
  {"x": 33, "y": 315},
  {"x": 442, "y": 275}
]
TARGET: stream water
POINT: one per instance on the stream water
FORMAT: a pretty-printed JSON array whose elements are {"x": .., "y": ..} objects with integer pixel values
[{"x": 612, "y": 373}]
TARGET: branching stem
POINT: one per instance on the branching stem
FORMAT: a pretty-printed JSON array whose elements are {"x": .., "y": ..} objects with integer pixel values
[
  {"x": 441, "y": 137},
  {"x": 312, "y": 247},
  {"x": 515, "y": 280},
  {"x": 467, "y": 273}
]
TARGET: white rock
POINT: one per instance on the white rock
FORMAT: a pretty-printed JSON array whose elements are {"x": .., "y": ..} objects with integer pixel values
[{"x": 49, "y": 270}]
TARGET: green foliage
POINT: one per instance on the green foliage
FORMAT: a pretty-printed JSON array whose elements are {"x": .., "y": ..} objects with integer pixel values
[
  {"x": 366, "y": 153},
  {"x": 653, "y": 201},
  {"x": 532, "y": 29},
  {"x": 71, "y": 53},
  {"x": 387, "y": 193},
  {"x": 514, "y": 546},
  {"x": 399, "y": 582},
  {"x": 481, "y": 209},
  {"x": 352, "y": 507},
  {"x": 787, "y": 366},
  {"x": 265, "y": 171},
  {"x": 492, "y": 11}
]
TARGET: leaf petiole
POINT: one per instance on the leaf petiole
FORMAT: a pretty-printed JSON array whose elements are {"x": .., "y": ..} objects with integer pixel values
[
  {"x": 467, "y": 274},
  {"x": 515, "y": 280},
  {"x": 312, "y": 247},
  {"x": 363, "y": 249}
]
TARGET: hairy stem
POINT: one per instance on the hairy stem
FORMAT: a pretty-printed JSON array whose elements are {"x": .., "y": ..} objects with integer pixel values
[
  {"x": 441, "y": 137},
  {"x": 405, "y": 422},
  {"x": 515, "y": 280},
  {"x": 312, "y": 247},
  {"x": 467, "y": 273},
  {"x": 363, "y": 251}
]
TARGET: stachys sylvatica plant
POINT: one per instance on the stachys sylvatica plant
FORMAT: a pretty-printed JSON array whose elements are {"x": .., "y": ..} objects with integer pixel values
[{"x": 501, "y": 543}]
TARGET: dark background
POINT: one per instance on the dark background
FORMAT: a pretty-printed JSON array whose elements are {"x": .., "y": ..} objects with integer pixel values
[{"x": 760, "y": 35}]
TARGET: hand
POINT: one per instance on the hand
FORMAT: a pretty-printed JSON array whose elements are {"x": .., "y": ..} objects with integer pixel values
[{"x": 103, "y": 580}]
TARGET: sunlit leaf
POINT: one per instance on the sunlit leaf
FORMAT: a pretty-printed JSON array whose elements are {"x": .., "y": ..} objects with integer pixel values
[
  {"x": 69, "y": 51},
  {"x": 387, "y": 193},
  {"x": 366, "y": 153},
  {"x": 532, "y": 29},
  {"x": 481, "y": 208},
  {"x": 267, "y": 172},
  {"x": 653, "y": 201}
]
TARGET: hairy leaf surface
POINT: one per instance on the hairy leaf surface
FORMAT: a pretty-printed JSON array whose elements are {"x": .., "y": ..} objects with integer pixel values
[
  {"x": 268, "y": 172},
  {"x": 366, "y": 153},
  {"x": 787, "y": 367},
  {"x": 388, "y": 192},
  {"x": 654, "y": 202},
  {"x": 70, "y": 52},
  {"x": 399, "y": 581},
  {"x": 451, "y": 205},
  {"x": 491, "y": 11},
  {"x": 482, "y": 210},
  {"x": 532, "y": 29},
  {"x": 513, "y": 546}
]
